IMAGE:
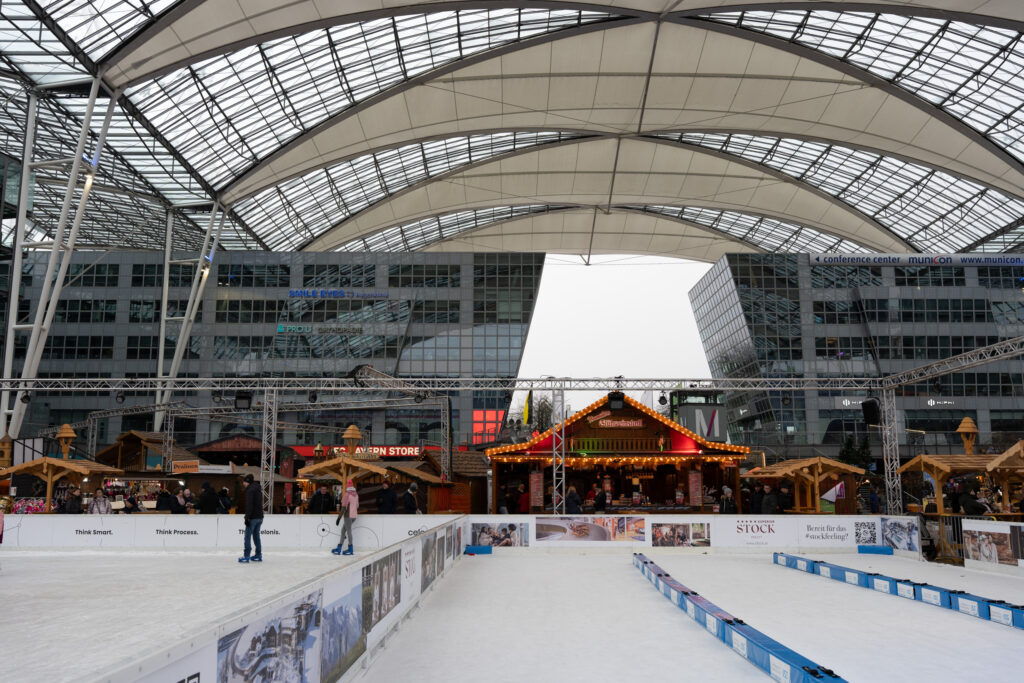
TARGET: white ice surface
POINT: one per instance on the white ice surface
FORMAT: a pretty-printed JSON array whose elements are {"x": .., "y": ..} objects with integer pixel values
[
  {"x": 69, "y": 616},
  {"x": 860, "y": 634},
  {"x": 983, "y": 584},
  {"x": 542, "y": 616}
]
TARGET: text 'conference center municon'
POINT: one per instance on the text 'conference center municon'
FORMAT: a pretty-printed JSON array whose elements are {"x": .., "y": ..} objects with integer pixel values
[
  {"x": 859, "y": 315},
  {"x": 297, "y": 314}
]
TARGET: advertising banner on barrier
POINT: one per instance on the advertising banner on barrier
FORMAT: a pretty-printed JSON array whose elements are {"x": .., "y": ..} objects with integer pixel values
[
  {"x": 991, "y": 545},
  {"x": 176, "y": 531},
  {"x": 610, "y": 529},
  {"x": 500, "y": 534},
  {"x": 92, "y": 531},
  {"x": 196, "y": 667},
  {"x": 695, "y": 534},
  {"x": 901, "y": 533},
  {"x": 831, "y": 532},
  {"x": 342, "y": 627},
  {"x": 739, "y": 531}
]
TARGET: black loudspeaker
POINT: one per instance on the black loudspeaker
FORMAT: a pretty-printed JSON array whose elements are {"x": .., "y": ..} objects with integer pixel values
[
  {"x": 616, "y": 400},
  {"x": 872, "y": 411}
]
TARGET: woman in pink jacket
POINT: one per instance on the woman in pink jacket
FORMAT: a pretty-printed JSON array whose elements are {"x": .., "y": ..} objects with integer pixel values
[{"x": 349, "y": 511}]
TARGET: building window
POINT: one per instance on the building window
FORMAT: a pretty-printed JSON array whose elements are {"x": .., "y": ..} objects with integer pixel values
[
  {"x": 78, "y": 348},
  {"x": 430, "y": 275},
  {"x": 152, "y": 275},
  {"x": 435, "y": 312},
  {"x": 86, "y": 311},
  {"x": 257, "y": 275},
  {"x": 338, "y": 276},
  {"x": 95, "y": 275}
]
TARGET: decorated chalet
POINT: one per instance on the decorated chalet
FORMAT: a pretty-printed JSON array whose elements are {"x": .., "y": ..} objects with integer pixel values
[{"x": 642, "y": 459}]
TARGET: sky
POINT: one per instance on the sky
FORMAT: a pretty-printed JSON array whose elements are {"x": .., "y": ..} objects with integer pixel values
[{"x": 621, "y": 315}]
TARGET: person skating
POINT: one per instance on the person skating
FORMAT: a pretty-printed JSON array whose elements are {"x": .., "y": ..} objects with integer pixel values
[
  {"x": 253, "y": 520},
  {"x": 387, "y": 499},
  {"x": 349, "y": 511}
]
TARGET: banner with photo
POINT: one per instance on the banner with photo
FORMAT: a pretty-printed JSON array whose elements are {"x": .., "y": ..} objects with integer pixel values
[
  {"x": 342, "y": 628},
  {"x": 991, "y": 544},
  {"x": 618, "y": 529},
  {"x": 901, "y": 533},
  {"x": 281, "y": 646},
  {"x": 382, "y": 588},
  {"x": 428, "y": 560},
  {"x": 695, "y": 534},
  {"x": 500, "y": 534}
]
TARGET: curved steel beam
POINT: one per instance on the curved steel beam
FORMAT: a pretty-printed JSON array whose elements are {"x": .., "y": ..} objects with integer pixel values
[
  {"x": 862, "y": 75},
  {"x": 803, "y": 186}
]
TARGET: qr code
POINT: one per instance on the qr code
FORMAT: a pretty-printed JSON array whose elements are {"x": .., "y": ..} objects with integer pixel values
[{"x": 865, "y": 532}]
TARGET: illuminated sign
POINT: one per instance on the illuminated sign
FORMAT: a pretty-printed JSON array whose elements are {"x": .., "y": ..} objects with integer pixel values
[
  {"x": 612, "y": 423},
  {"x": 334, "y": 294}
]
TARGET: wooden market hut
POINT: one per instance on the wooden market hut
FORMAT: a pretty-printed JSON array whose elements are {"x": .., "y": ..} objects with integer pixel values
[
  {"x": 812, "y": 477},
  {"x": 136, "y": 451},
  {"x": 52, "y": 470},
  {"x": 628, "y": 448},
  {"x": 1005, "y": 469}
]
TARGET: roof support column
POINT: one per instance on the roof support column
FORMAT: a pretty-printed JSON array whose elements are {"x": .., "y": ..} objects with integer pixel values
[
  {"x": 268, "y": 451},
  {"x": 203, "y": 263},
  {"x": 61, "y": 250},
  {"x": 16, "y": 256}
]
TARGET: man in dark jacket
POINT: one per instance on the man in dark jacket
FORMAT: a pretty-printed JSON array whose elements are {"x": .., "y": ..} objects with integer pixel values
[
  {"x": 785, "y": 499},
  {"x": 600, "y": 500},
  {"x": 322, "y": 502},
  {"x": 387, "y": 499},
  {"x": 73, "y": 503},
  {"x": 253, "y": 520},
  {"x": 969, "y": 503},
  {"x": 409, "y": 504},
  {"x": 770, "y": 501},
  {"x": 207, "y": 500},
  {"x": 223, "y": 501},
  {"x": 756, "y": 498}
]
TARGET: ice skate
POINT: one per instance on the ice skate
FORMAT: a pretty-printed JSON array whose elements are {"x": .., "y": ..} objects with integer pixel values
[
  {"x": 243, "y": 560},
  {"x": 257, "y": 558},
  {"x": 347, "y": 551},
  {"x": 336, "y": 551}
]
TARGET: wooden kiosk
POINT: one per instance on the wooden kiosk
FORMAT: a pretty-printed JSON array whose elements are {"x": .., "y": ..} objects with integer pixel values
[
  {"x": 809, "y": 476},
  {"x": 644, "y": 460},
  {"x": 52, "y": 470}
]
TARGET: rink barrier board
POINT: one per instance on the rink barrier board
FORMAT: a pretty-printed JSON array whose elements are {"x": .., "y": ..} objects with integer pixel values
[
  {"x": 988, "y": 609},
  {"x": 197, "y": 657},
  {"x": 772, "y": 657}
]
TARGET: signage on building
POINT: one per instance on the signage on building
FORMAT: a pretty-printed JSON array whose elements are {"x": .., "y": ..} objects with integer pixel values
[
  {"x": 363, "y": 452},
  {"x": 193, "y": 467},
  {"x": 705, "y": 420},
  {"x": 335, "y": 294},
  {"x": 319, "y": 329},
  {"x": 917, "y": 259},
  {"x": 619, "y": 423},
  {"x": 849, "y": 403},
  {"x": 939, "y": 402}
]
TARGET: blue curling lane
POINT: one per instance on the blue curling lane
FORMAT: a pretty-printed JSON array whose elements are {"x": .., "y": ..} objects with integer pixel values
[{"x": 769, "y": 655}]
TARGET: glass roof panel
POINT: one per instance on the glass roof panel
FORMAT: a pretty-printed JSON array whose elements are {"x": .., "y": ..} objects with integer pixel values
[
  {"x": 228, "y": 112},
  {"x": 425, "y": 232},
  {"x": 761, "y": 232},
  {"x": 99, "y": 26},
  {"x": 299, "y": 210},
  {"x": 34, "y": 49},
  {"x": 974, "y": 72},
  {"x": 932, "y": 210}
]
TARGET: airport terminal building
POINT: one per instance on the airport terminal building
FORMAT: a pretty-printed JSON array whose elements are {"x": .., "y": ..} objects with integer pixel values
[
  {"x": 301, "y": 314},
  {"x": 807, "y": 315}
]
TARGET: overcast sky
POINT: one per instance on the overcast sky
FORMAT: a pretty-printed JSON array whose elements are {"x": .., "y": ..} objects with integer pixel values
[{"x": 622, "y": 315}]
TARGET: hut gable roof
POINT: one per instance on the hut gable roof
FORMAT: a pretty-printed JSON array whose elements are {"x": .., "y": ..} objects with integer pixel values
[{"x": 593, "y": 407}]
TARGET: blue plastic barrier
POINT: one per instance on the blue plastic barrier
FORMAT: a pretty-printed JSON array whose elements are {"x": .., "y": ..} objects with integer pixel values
[
  {"x": 478, "y": 550},
  {"x": 988, "y": 609},
  {"x": 874, "y": 550},
  {"x": 769, "y": 655}
]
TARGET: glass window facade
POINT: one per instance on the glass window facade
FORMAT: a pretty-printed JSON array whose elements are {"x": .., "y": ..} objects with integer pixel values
[
  {"x": 773, "y": 315},
  {"x": 301, "y": 315}
]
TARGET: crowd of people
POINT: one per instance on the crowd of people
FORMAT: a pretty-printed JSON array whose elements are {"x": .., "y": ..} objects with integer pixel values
[
  {"x": 970, "y": 498},
  {"x": 209, "y": 502}
]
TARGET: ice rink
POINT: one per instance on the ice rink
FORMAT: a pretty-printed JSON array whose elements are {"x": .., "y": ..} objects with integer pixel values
[
  {"x": 68, "y": 616},
  {"x": 559, "y": 615},
  {"x": 551, "y": 616},
  {"x": 574, "y": 617}
]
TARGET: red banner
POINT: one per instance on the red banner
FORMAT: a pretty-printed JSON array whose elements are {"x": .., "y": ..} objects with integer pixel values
[{"x": 308, "y": 453}]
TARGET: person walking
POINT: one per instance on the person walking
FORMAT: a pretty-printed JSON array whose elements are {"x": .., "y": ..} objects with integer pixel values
[
  {"x": 253, "y": 520},
  {"x": 727, "y": 506},
  {"x": 409, "y": 504},
  {"x": 756, "y": 498},
  {"x": 73, "y": 503},
  {"x": 770, "y": 501},
  {"x": 387, "y": 499},
  {"x": 208, "y": 500},
  {"x": 322, "y": 502},
  {"x": 349, "y": 511},
  {"x": 572, "y": 502},
  {"x": 100, "y": 504}
]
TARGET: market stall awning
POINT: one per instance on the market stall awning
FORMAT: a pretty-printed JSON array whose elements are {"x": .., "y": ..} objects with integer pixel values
[
  {"x": 1011, "y": 459},
  {"x": 409, "y": 469},
  {"x": 803, "y": 467},
  {"x": 242, "y": 470},
  {"x": 341, "y": 468},
  {"x": 949, "y": 464},
  {"x": 52, "y": 470}
]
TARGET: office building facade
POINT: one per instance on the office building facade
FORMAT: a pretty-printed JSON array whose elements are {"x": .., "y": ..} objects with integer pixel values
[
  {"x": 779, "y": 315},
  {"x": 298, "y": 314}
]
